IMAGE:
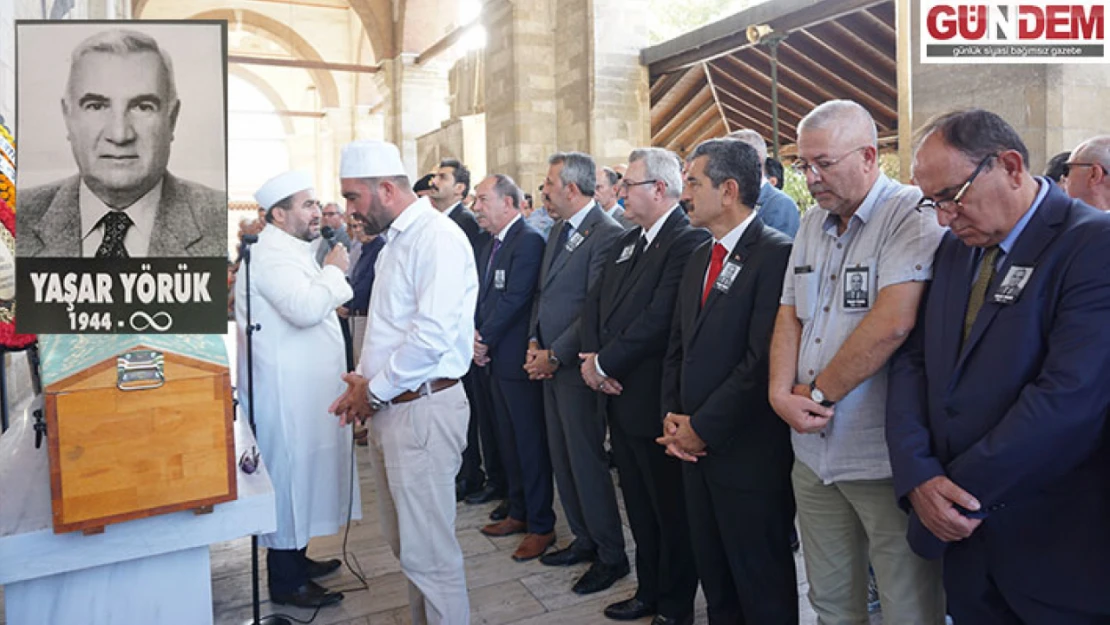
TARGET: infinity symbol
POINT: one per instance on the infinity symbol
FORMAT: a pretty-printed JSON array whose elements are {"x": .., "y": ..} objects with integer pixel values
[{"x": 151, "y": 321}]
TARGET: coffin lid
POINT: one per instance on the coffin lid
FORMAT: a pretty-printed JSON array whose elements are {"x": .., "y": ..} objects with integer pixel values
[{"x": 64, "y": 356}]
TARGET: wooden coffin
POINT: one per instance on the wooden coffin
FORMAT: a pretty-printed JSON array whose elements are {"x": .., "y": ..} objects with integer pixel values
[{"x": 137, "y": 425}]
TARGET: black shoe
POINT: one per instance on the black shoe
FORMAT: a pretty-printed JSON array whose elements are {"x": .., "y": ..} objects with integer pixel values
[
  {"x": 600, "y": 576},
  {"x": 501, "y": 512},
  {"x": 320, "y": 568},
  {"x": 486, "y": 495},
  {"x": 464, "y": 487},
  {"x": 629, "y": 610},
  {"x": 311, "y": 595},
  {"x": 568, "y": 557},
  {"x": 670, "y": 620}
]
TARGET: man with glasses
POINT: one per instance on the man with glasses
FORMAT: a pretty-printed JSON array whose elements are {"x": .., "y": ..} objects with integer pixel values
[
  {"x": 625, "y": 325},
  {"x": 829, "y": 368},
  {"x": 1087, "y": 172},
  {"x": 998, "y": 401}
]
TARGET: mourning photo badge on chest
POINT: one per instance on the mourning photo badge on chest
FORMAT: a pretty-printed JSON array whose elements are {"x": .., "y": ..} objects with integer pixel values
[
  {"x": 1009, "y": 290},
  {"x": 857, "y": 287},
  {"x": 728, "y": 274},
  {"x": 575, "y": 240},
  {"x": 499, "y": 279},
  {"x": 626, "y": 253}
]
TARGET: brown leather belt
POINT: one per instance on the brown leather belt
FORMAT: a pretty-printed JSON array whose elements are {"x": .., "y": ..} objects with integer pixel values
[{"x": 434, "y": 386}]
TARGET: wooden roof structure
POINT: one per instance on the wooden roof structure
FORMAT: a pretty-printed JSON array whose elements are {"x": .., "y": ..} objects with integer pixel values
[{"x": 713, "y": 81}]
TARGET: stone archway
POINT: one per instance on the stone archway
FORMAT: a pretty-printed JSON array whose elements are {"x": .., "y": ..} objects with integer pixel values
[{"x": 267, "y": 90}]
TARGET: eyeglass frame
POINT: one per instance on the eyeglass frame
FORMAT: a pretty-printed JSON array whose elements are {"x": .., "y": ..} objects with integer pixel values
[
  {"x": 623, "y": 183},
  {"x": 957, "y": 199},
  {"x": 802, "y": 165},
  {"x": 1068, "y": 166}
]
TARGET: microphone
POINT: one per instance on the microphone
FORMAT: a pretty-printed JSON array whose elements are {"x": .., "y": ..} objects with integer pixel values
[
  {"x": 250, "y": 239},
  {"x": 329, "y": 235}
]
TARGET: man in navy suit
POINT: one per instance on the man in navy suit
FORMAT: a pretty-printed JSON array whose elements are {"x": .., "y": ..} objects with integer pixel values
[
  {"x": 997, "y": 408},
  {"x": 624, "y": 327},
  {"x": 508, "y": 270},
  {"x": 448, "y": 187},
  {"x": 714, "y": 393}
]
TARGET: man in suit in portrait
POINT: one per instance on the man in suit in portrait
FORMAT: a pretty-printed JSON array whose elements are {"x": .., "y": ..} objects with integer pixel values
[
  {"x": 997, "y": 409},
  {"x": 572, "y": 263},
  {"x": 625, "y": 326},
  {"x": 509, "y": 268},
  {"x": 448, "y": 187},
  {"x": 120, "y": 109},
  {"x": 718, "y": 419},
  {"x": 775, "y": 208}
]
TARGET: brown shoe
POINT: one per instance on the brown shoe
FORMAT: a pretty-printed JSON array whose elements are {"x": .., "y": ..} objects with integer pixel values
[
  {"x": 507, "y": 527},
  {"x": 533, "y": 546}
]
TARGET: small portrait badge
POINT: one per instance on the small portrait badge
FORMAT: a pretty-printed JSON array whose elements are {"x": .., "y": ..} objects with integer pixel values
[
  {"x": 626, "y": 253},
  {"x": 728, "y": 275},
  {"x": 857, "y": 283},
  {"x": 499, "y": 279},
  {"x": 574, "y": 241},
  {"x": 1012, "y": 285}
]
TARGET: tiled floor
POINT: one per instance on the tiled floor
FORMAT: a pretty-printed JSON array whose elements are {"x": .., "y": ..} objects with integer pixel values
[{"x": 501, "y": 590}]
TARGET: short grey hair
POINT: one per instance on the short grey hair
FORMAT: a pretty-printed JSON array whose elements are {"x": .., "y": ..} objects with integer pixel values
[
  {"x": 663, "y": 165},
  {"x": 338, "y": 207},
  {"x": 838, "y": 113},
  {"x": 753, "y": 139},
  {"x": 504, "y": 186},
  {"x": 578, "y": 168},
  {"x": 1095, "y": 149},
  {"x": 612, "y": 175},
  {"x": 121, "y": 41}
]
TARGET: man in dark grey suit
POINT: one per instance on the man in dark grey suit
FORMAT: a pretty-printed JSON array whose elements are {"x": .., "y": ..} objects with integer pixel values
[
  {"x": 120, "y": 109},
  {"x": 605, "y": 193},
  {"x": 573, "y": 262}
]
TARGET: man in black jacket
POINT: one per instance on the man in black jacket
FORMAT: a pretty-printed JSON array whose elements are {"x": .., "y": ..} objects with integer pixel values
[
  {"x": 625, "y": 325},
  {"x": 738, "y": 453}
]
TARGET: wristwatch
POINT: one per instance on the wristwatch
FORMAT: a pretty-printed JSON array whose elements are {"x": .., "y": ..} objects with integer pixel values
[
  {"x": 817, "y": 396},
  {"x": 375, "y": 403},
  {"x": 552, "y": 359}
]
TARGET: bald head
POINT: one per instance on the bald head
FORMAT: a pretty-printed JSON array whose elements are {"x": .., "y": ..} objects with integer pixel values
[
  {"x": 1088, "y": 177},
  {"x": 844, "y": 120}
]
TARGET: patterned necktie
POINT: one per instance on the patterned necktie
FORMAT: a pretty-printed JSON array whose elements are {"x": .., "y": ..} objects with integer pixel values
[
  {"x": 116, "y": 224},
  {"x": 715, "y": 266},
  {"x": 979, "y": 288},
  {"x": 492, "y": 256},
  {"x": 564, "y": 236}
]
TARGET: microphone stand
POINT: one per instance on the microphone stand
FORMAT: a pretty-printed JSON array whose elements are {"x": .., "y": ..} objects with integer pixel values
[{"x": 245, "y": 255}]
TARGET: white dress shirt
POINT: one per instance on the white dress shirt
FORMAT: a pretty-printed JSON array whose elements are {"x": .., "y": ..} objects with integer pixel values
[
  {"x": 142, "y": 213},
  {"x": 421, "y": 317}
]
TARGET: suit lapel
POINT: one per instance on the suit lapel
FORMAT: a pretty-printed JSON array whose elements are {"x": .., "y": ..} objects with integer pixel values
[
  {"x": 584, "y": 231},
  {"x": 656, "y": 250},
  {"x": 740, "y": 253},
  {"x": 60, "y": 226},
  {"x": 174, "y": 227},
  {"x": 1039, "y": 232}
]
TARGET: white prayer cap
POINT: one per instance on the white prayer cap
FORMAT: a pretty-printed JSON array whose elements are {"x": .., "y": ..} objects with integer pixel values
[
  {"x": 370, "y": 159},
  {"x": 282, "y": 186}
]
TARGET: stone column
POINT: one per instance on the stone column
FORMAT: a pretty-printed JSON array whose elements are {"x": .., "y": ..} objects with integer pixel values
[{"x": 563, "y": 75}]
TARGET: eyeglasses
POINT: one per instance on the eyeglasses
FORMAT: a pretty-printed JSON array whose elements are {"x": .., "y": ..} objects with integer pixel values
[
  {"x": 624, "y": 183},
  {"x": 822, "y": 165},
  {"x": 950, "y": 205},
  {"x": 1068, "y": 166}
]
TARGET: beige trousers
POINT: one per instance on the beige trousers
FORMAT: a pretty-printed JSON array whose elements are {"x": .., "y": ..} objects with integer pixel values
[
  {"x": 843, "y": 526},
  {"x": 416, "y": 449}
]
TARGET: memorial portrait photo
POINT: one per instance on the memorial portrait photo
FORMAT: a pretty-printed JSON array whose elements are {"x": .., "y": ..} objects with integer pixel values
[{"x": 122, "y": 130}]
